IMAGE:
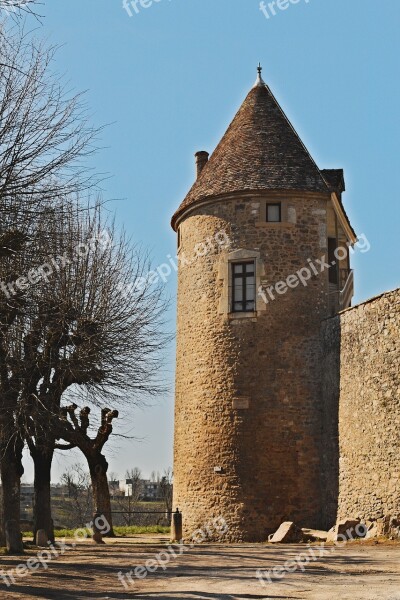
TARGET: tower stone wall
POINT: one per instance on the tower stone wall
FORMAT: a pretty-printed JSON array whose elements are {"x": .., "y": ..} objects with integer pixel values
[{"x": 248, "y": 409}]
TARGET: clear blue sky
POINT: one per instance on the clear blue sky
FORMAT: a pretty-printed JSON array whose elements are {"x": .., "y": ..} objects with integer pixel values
[{"x": 170, "y": 79}]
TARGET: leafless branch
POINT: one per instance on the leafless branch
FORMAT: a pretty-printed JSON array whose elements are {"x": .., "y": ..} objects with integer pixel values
[
  {"x": 16, "y": 8},
  {"x": 45, "y": 132}
]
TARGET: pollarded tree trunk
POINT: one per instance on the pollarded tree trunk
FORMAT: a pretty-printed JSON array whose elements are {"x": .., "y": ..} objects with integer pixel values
[
  {"x": 75, "y": 432},
  {"x": 42, "y": 457},
  {"x": 98, "y": 467},
  {"x": 11, "y": 472}
]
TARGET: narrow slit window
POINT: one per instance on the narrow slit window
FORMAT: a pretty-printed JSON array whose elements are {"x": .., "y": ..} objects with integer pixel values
[
  {"x": 274, "y": 213},
  {"x": 243, "y": 287}
]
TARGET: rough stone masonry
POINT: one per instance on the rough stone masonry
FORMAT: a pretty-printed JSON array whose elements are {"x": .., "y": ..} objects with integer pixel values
[{"x": 362, "y": 396}]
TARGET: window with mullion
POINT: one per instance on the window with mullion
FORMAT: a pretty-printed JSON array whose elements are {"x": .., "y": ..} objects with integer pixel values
[{"x": 243, "y": 287}]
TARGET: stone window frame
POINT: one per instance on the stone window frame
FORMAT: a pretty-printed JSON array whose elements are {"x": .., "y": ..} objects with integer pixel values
[
  {"x": 288, "y": 213},
  {"x": 267, "y": 206},
  {"x": 225, "y": 276}
]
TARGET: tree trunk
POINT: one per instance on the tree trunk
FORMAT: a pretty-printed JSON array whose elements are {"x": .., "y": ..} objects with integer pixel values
[
  {"x": 42, "y": 457},
  {"x": 11, "y": 472},
  {"x": 98, "y": 467}
]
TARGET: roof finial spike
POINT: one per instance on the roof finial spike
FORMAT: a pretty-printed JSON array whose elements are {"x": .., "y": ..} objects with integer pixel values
[{"x": 259, "y": 81}]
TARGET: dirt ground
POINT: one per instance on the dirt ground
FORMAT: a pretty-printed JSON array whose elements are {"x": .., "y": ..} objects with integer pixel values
[{"x": 209, "y": 572}]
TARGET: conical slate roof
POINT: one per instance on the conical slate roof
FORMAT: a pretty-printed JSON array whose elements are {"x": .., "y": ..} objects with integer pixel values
[{"x": 259, "y": 151}]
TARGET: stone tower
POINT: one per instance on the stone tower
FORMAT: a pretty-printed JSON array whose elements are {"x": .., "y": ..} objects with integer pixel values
[{"x": 248, "y": 413}]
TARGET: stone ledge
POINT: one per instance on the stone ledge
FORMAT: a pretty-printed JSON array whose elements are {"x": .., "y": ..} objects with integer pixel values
[{"x": 279, "y": 225}]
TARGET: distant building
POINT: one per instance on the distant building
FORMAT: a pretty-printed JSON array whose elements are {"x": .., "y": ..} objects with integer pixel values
[
  {"x": 27, "y": 491},
  {"x": 151, "y": 490},
  {"x": 143, "y": 489}
]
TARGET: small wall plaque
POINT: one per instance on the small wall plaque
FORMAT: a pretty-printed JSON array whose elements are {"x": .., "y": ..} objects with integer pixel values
[{"x": 241, "y": 403}]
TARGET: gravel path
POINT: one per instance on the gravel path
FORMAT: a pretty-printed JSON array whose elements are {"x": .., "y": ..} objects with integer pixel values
[{"x": 210, "y": 572}]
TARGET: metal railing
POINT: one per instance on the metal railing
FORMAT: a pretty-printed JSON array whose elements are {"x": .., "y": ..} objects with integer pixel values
[
  {"x": 343, "y": 277},
  {"x": 341, "y": 294},
  {"x": 347, "y": 290},
  {"x": 138, "y": 517}
]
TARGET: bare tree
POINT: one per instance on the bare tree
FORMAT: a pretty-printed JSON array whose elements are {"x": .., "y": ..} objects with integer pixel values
[
  {"x": 94, "y": 330},
  {"x": 135, "y": 478},
  {"x": 76, "y": 433},
  {"x": 18, "y": 7},
  {"x": 25, "y": 310},
  {"x": 166, "y": 489},
  {"x": 44, "y": 136},
  {"x": 113, "y": 484},
  {"x": 44, "y": 130},
  {"x": 15, "y": 257},
  {"x": 78, "y": 484}
]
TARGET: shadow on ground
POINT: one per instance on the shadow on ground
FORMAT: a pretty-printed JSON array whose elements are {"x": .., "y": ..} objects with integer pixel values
[{"x": 208, "y": 596}]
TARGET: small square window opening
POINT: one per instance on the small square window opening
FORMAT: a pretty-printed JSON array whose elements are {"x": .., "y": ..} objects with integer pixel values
[{"x": 274, "y": 213}]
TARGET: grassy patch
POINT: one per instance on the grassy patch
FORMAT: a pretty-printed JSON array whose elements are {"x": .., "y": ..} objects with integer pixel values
[
  {"x": 137, "y": 530},
  {"x": 124, "y": 531}
]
